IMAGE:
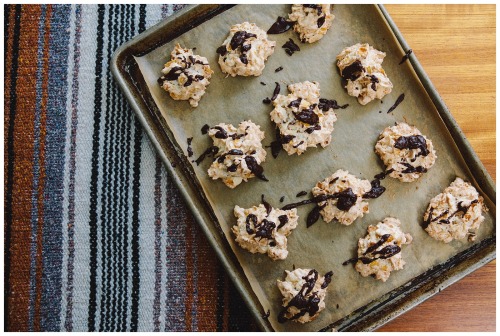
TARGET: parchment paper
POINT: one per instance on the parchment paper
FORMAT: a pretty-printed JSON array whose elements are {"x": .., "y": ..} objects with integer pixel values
[{"x": 323, "y": 246}]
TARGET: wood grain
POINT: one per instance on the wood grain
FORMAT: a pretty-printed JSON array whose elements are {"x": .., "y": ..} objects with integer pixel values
[{"x": 456, "y": 46}]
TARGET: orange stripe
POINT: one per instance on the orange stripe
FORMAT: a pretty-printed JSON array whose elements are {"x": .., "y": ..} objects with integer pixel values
[
  {"x": 23, "y": 169},
  {"x": 189, "y": 273},
  {"x": 207, "y": 291},
  {"x": 41, "y": 182}
]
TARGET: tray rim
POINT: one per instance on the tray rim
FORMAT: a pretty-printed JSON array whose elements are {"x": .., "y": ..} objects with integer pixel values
[{"x": 359, "y": 321}]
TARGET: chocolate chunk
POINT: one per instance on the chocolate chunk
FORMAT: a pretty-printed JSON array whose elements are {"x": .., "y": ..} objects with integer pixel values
[
  {"x": 222, "y": 50},
  {"x": 244, "y": 59},
  {"x": 302, "y": 193},
  {"x": 246, "y": 47},
  {"x": 307, "y": 116},
  {"x": 280, "y": 26},
  {"x": 262, "y": 83},
  {"x": 406, "y": 56},
  {"x": 174, "y": 73},
  {"x": 212, "y": 150},
  {"x": 237, "y": 39},
  {"x": 251, "y": 219},
  {"x": 204, "y": 129},
  {"x": 255, "y": 168},
  {"x": 278, "y": 69},
  {"x": 321, "y": 21},
  {"x": 313, "y": 216},
  {"x": 276, "y": 91},
  {"x": 221, "y": 133},
  {"x": 353, "y": 71},
  {"x": 282, "y": 199},
  {"x": 266, "y": 100},
  {"x": 283, "y": 220},
  {"x": 295, "y": 103},
  {"x": 412, "y": 142},
  {"x": 398, "y": 101}
]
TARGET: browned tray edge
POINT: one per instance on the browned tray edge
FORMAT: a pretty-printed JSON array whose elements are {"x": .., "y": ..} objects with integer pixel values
[{"x": 366, "y": 318}]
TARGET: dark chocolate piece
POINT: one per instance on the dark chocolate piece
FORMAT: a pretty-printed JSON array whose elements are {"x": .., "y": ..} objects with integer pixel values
[
  {"x": 290, "y": 47},
  {"x": 398, "y": 101},
  {"x": 307, "y": 116},
  {"x": 262, "y": 83},
  {"x": 189, "y": 149},
  {"x": 283, "y": 220},
  {"x": 326, "y": 104},
  {"x": 302, "y": 193},
  {"x": 280, "y": 26},
  {"x": 268, "y": 206},
  {"x": 266, "y": 100},
  {"x": 412, "y": 142},
  {"x": 278, "y": 69},
  {"x": 321, "y": 21},
  {"x": 282, "y": 199},
  {"x": 353, "y": 71},
  {"x": 406, "y": 56},
  {"x": 212, "y": 150},
  {"x": 255, "y": 168},
  {"x": 205, "y": 128},
  {"x": 276, "y": 91}
]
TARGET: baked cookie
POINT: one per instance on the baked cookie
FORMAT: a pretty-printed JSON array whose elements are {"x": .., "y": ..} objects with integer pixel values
[
  {"x": 245, "y": 50},
  {"x": 303, "y": 119},
  {"x": 186, "y": 76},
  {"x": 361, "y": 66},
  {"x": 311, "y": 21},
  {"x": 379, "y": 253},
  {"x": 344, "y": 193},
  {"x": 239, "y": 153},
  {"x": 263, "y": 229},
  {"x": 406, "y": 153},
  {"x": 455, "y": 213},
  {"x": 304, "y": 294}
]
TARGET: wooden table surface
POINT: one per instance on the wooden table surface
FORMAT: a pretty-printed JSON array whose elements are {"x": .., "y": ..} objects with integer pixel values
[{"x": 456, "y": 46}]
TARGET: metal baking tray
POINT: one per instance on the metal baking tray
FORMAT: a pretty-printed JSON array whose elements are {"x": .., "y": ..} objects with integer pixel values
[{"x": 169, "y": 122}]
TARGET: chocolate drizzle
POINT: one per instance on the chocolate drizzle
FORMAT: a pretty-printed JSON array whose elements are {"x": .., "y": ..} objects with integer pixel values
[
  {"x": 326, "y": 104},
  {"x": 345, "y": 200},
  {"x": 189, "y": 149},
  {"x": 413, "y": 142},
  {"x": 398, "y": 101},
  {"x": 283, "y": 220},
  {"x": 176, "y": 71},
  {"x": 280, "y": 26},
  {"x": 268, "y": 206},
  {"x": 303, "y": 303},
  {"x": 353, "y": 71},
  {"x": 460, "y": 208},
  {"x": 406, "y": 56},
  {"x": 377, "y": 190},
  {"x": 385, "y": 253},
  {"x": 212, "y": 150},
  {"x": 410, "y": 169},
  {"x": 255, "y": 168}
]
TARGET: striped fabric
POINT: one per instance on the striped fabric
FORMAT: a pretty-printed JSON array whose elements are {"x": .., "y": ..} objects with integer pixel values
[{"x": 96, "y": 235}]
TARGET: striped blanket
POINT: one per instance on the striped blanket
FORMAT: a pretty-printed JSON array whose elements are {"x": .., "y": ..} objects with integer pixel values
[{"x": 96, "y": 236}]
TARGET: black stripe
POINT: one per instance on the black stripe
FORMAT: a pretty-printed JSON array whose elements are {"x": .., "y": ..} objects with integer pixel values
[
  {"x": 95, "y": 171},
  {"x": 220, "y": 297},
  {"x": 108, "y": 276},
  {"x": 135, "y": 204},
  {"x": 10, "y": 156}
]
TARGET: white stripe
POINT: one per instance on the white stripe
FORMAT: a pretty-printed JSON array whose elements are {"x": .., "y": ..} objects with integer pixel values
[
  {"x": 86, "y": 79},
  {"x": 65, "y": 219},
  {"x": 153, "y": 15},
  {"x": 147, "y": 237}
]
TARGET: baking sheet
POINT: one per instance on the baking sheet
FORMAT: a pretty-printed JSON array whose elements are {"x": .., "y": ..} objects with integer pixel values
[{"x": 323, "y": 246}]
